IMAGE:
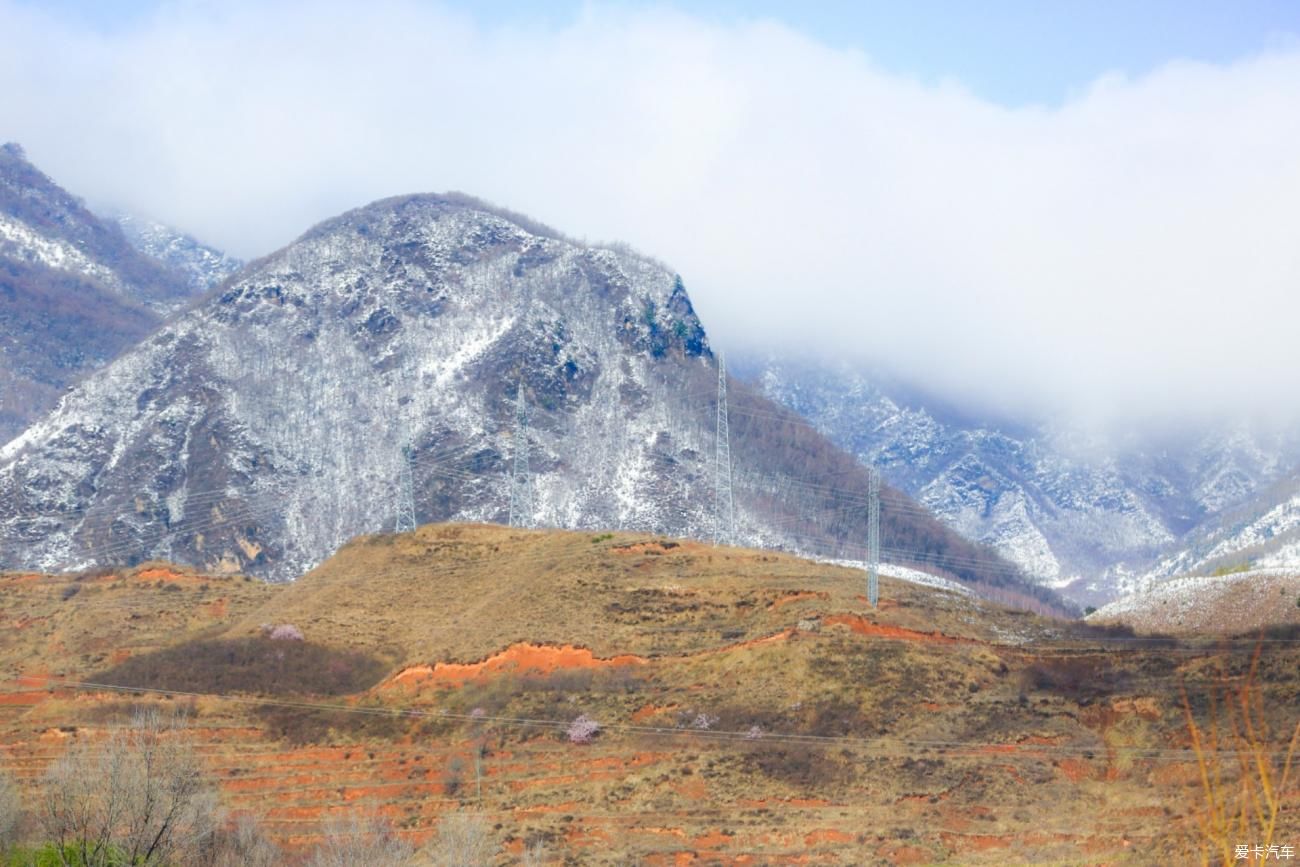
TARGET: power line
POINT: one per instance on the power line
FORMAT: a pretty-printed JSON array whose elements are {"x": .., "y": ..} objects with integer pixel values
[{"x": 884, "y": 743}]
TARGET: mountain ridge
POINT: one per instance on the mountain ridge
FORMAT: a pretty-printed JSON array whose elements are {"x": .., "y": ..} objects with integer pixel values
[
  {"x": 268, "y": 423},
  {"x": 73, "y": 292}
]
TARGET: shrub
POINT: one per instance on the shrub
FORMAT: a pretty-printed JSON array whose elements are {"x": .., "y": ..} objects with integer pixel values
[
  {"x": 285, "y": 632},
  {"x": 463, "y": 840},
  {"x": 242, "y": 844},
  {"x": 583, "y": 730},
  {"x": 140, "y": 799},
  {"x": 803, "y": 765},
  {"x": 10, "y": 807},
  {"x": 255, "y": 665},
  {"x": 356, "y": 841}
]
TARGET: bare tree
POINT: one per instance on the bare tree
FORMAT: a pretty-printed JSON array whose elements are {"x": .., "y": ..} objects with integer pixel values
[
  {"x": 359, "y": 842},
  {"x": 240, "y": 844},
  {"x": 10, "y": 809},
  {"x": 140, "y": 798},
  {"x": 464, "y": 840},
  {"x": 534, "y": 855}
]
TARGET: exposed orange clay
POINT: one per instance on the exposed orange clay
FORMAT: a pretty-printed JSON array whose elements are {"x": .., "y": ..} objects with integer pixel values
[
  {"x": 562, "y": 807},
  {"x": 218, "y": 608},
  {"x": 665, "y": 832},
  {"x": 694, "y": 790},
  {"x": 866, "y": 627},
  {"x": 753, "y": 642},
  {"x": 159, "y": 575},
  {"x": 976, "y": 842},
  {"x": 646, "y": 548},
  {"x": 827, "y": 835},
  {"x": 1075, "y": 769},
  {"x": 23, "y": 698},
  {"x": 642, "y": 714},
  {"x": 908, "y": 855},
  {"x": 712, "y": 840},
  {"x": 795, "y": 597},
  {"x": 1040, "y": 740},
  {"x": 793, "y": 802},
  {"x": 518, "y": 657}
]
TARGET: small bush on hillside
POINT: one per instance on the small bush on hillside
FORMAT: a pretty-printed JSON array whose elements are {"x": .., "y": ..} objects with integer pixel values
[
  {"x": 299, "y": 726},
  {"x": 285, "y": 632},
  {"x": 804, "y": 765},
  {"x": 463, "y": 840},
  {"x": 10, "y": 809},
  {"x": 356, "y": 841},
  {"x": 242, "y": 844},
  {"x": 582, "y": 730},
  {"x": 1078, "y": 678}
]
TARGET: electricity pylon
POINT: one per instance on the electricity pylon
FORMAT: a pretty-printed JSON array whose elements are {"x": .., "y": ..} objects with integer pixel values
[
  {"x": 724, "y": 514},
  {"x": 521, "y": 483},
  {"x": 406, "y": 494},
  {"x": 873, "y": 536}
]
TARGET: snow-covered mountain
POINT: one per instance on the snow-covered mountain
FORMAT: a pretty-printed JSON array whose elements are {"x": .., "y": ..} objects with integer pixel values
[
  {"x": 202, "y": 265},
  {"x": 73, "y": 292},
  {"x": 1261, "y": 533},
  {"x": 382, "y": 353},
  {"x": 1088, "y": 516}
]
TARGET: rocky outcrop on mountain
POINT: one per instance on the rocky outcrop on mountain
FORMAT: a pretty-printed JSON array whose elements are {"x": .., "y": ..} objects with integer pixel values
[
  {"x": 379, "y": 358},
  {"x": 73, "y": 293},
  {"x": 203, "y": 266}
]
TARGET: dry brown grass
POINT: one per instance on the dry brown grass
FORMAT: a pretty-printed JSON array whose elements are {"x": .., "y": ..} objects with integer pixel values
[
  {"x": 947, "y": 742},
  {"x": 75, "y": 623}
]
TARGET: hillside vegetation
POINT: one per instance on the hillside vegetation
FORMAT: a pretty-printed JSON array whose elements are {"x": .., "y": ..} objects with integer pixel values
[{"x": 625, "y": 698}]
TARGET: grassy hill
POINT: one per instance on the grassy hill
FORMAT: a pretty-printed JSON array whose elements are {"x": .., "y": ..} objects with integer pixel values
[{"x": 750, "y": 707}]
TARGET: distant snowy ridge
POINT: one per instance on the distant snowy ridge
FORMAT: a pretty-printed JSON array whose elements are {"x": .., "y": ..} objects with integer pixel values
[
  {"x": 1090, "y": 519},
  {"x": 1270, "y": 539},
  {"x": 902, "y": 573},
  {"x": 203, "y": 266},
  {"x": 1237, "y": 602}
]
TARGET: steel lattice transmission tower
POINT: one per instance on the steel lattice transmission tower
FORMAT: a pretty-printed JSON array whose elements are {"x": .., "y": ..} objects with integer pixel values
[
  {"x": 724, "y": 528},
  {"x": 873, "y": 536},
  {"x": 406, "y": 494},
  {"x": 521, "y": 483}
]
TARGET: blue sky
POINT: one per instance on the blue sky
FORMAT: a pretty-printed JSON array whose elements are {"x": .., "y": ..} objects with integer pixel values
[{"x": 1013, "y": 52}]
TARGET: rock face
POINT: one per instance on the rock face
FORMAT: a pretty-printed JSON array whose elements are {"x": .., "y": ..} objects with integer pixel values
[
  {"x": 1092, "y": 520},
  {"x": 73, "y": 293},
  {"x": 202, "y": 266},
  {"x": 273, "y": 421}
]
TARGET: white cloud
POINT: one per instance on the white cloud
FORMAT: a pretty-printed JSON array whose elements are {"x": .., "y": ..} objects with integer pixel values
[{"x": 1130, "y": 253}]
